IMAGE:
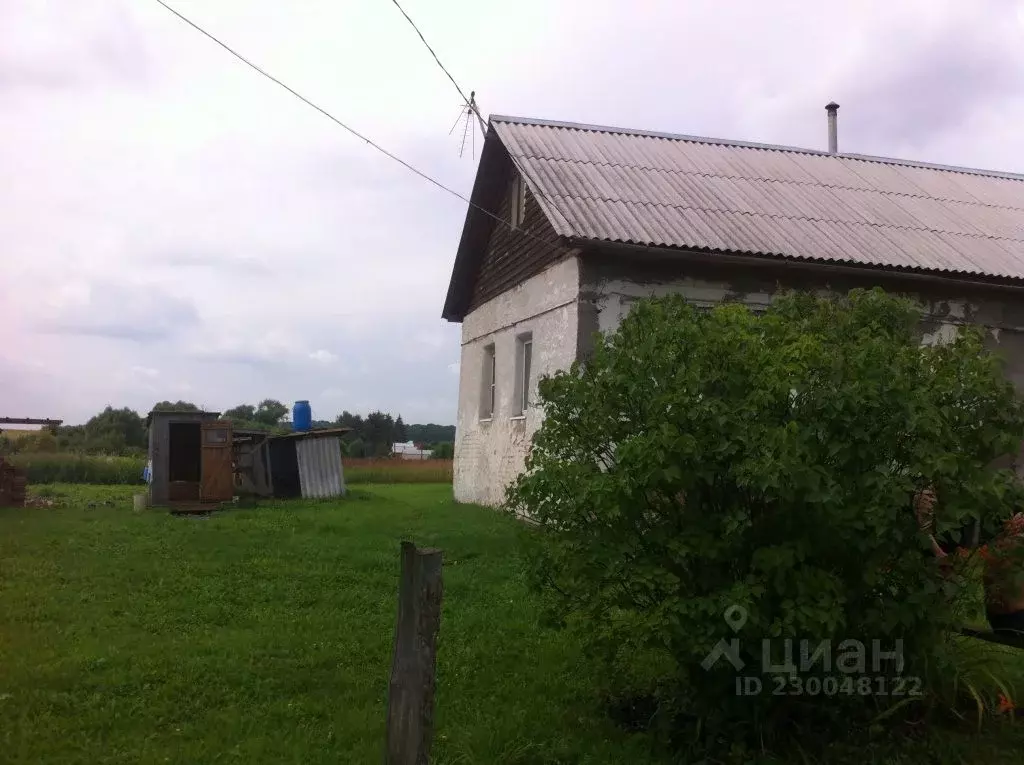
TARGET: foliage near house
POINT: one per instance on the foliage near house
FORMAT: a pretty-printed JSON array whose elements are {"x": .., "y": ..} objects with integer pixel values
[{"x": 724, "y": 475}]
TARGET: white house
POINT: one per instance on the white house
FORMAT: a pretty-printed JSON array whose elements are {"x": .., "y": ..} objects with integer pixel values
[
  {"x": 408, "y": 451},
  {"x": 570, "y": 224}
]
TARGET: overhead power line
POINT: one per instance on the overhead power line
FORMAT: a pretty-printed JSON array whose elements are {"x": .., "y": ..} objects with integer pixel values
[
  {"x": 353, "y": 131},
  {"x": 471, "y": 109},
  {"x": 471, "y": 101},
  {"x": 470, "y": 104},
  {"x": 305, "y": 100}
]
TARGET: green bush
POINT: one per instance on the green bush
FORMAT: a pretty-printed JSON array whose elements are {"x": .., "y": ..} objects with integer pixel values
[
  {"x": 76, "y": 468},
  {"x": 707, "y": 461},
  {"x": 444, "y": 451}
]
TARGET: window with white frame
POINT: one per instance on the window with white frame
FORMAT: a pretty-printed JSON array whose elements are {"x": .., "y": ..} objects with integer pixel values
[
  {"x": 524, "y": 362},
  {"x": 518, "y": 207},
  {"x": 487, "y": 399}
]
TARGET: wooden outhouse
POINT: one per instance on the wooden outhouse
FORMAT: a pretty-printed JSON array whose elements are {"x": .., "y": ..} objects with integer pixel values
[{"x": 190, "y": 458}]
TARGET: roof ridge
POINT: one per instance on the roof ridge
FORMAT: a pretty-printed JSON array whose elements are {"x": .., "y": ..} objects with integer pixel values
[
  {"x": 866, "y": 188},
  {"x": 776, "y": 216},
  {"x": 755, "y": 145}
]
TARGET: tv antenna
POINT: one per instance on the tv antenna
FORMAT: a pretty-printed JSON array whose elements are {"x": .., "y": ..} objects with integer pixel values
[{"x": 469, "y": 111}]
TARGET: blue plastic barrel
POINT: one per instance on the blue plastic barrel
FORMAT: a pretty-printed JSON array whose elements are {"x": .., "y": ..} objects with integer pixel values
[{"x": 302, "y": 416}]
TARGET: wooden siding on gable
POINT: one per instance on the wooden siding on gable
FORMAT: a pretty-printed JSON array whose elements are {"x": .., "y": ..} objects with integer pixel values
[{"x": 511, "y": 256}]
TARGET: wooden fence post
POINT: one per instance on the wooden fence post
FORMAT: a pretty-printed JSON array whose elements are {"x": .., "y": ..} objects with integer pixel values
[{"x": 410, "y": 723}]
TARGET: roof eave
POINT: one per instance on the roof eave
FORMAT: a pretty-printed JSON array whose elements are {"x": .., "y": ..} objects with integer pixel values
[{"x": 723, "y": 257}]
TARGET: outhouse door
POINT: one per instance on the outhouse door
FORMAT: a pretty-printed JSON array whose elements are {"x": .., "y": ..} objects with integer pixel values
[{"x": 218, "y": 478}]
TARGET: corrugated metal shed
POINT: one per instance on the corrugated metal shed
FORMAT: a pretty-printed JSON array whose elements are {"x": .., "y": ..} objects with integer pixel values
[
  {"x": 320, "y": 472},
  {"x": 307, "y": 463},
  {"x": 614, "y": 185}
]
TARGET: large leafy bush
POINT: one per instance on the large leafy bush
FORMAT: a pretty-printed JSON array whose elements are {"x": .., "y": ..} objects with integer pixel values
[{"x": 704, "y": 460}]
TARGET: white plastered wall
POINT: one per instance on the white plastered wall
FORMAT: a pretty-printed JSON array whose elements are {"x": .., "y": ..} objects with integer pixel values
[{"x": 489, "y": 454}]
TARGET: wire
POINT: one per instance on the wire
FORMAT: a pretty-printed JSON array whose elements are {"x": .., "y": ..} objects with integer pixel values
[
  {"x": 359, "y": 135},
  {"x": 305, "y": 100},
  {"x": 470, "y": 104},
  {"x": 469, "y": 101}
]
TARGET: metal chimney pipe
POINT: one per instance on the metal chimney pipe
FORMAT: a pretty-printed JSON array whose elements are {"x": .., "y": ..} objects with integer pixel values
[{"x": 833, "y": 128}]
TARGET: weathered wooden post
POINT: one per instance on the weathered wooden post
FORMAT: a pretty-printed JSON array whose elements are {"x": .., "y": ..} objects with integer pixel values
[{"x": 411, "y": 692}]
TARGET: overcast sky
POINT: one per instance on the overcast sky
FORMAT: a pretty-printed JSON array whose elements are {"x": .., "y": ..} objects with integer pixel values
[{"x": 175, "y": 226}]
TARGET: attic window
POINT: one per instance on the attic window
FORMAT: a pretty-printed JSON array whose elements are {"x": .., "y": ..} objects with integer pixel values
[{"x": 518, "y": 207}]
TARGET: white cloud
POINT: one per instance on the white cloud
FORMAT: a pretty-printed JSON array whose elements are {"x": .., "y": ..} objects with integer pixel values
[{"x": 323, "y": 357}]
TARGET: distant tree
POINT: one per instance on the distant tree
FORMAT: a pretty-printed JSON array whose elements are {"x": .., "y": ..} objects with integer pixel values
[
  {"x": 175, "y": 406},
  {"x": 348, "y": 420},
  {"x": 243, "y": 417},
  {"x": 444, "y": 450},
  {"x": 270, "y": 412},
  {"x": 354, "y": 448},
  {"x": 430, "y": 434},
  {"x": 377, "y": 432},
  {"x": 116, "y": 429},
  {"x": 400, "y": 435},
  {"x": 242, "y": 413},
  {"x": 112, "y": 431},
  {"x": 71, "y": 438}
]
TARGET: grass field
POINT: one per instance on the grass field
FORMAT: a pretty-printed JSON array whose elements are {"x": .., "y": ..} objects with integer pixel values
[
  {"x": 359, "y": 471},
  {"x": 16, "y": 434},
  {"x": 76, "y": 468},
  {"x": 264, "y": 636}
]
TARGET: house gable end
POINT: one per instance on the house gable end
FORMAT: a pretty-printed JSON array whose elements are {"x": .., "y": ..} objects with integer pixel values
[
  {"x": 493, "y": 257},
  {"x": 512, "y": 256}
]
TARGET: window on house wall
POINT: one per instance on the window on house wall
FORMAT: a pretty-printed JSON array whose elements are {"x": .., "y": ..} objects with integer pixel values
[
  {"x": 518, "y": 207},
  {"x": 527, "y": 361},
  {"x": 524, "y": 362},
  {"x": 487, "y": 401}
]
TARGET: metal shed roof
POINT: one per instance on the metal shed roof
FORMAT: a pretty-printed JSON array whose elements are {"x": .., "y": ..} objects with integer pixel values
[
  {"x": 662, "y": 190},
  {"x": 317, "y": 433},
  {"x": 185, "y": 414}
]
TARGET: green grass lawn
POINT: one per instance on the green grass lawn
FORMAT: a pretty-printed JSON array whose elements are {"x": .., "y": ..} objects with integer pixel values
[{"x": 264, "y": 636}]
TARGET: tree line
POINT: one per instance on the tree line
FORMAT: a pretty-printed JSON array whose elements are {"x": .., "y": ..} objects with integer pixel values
[
  {"x": 123, "y": 431},
  {"x": 373, "y": 435}
]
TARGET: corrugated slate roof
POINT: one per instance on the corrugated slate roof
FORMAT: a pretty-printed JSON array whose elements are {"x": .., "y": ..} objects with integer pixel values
[{"x": 705, "y": 194}]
